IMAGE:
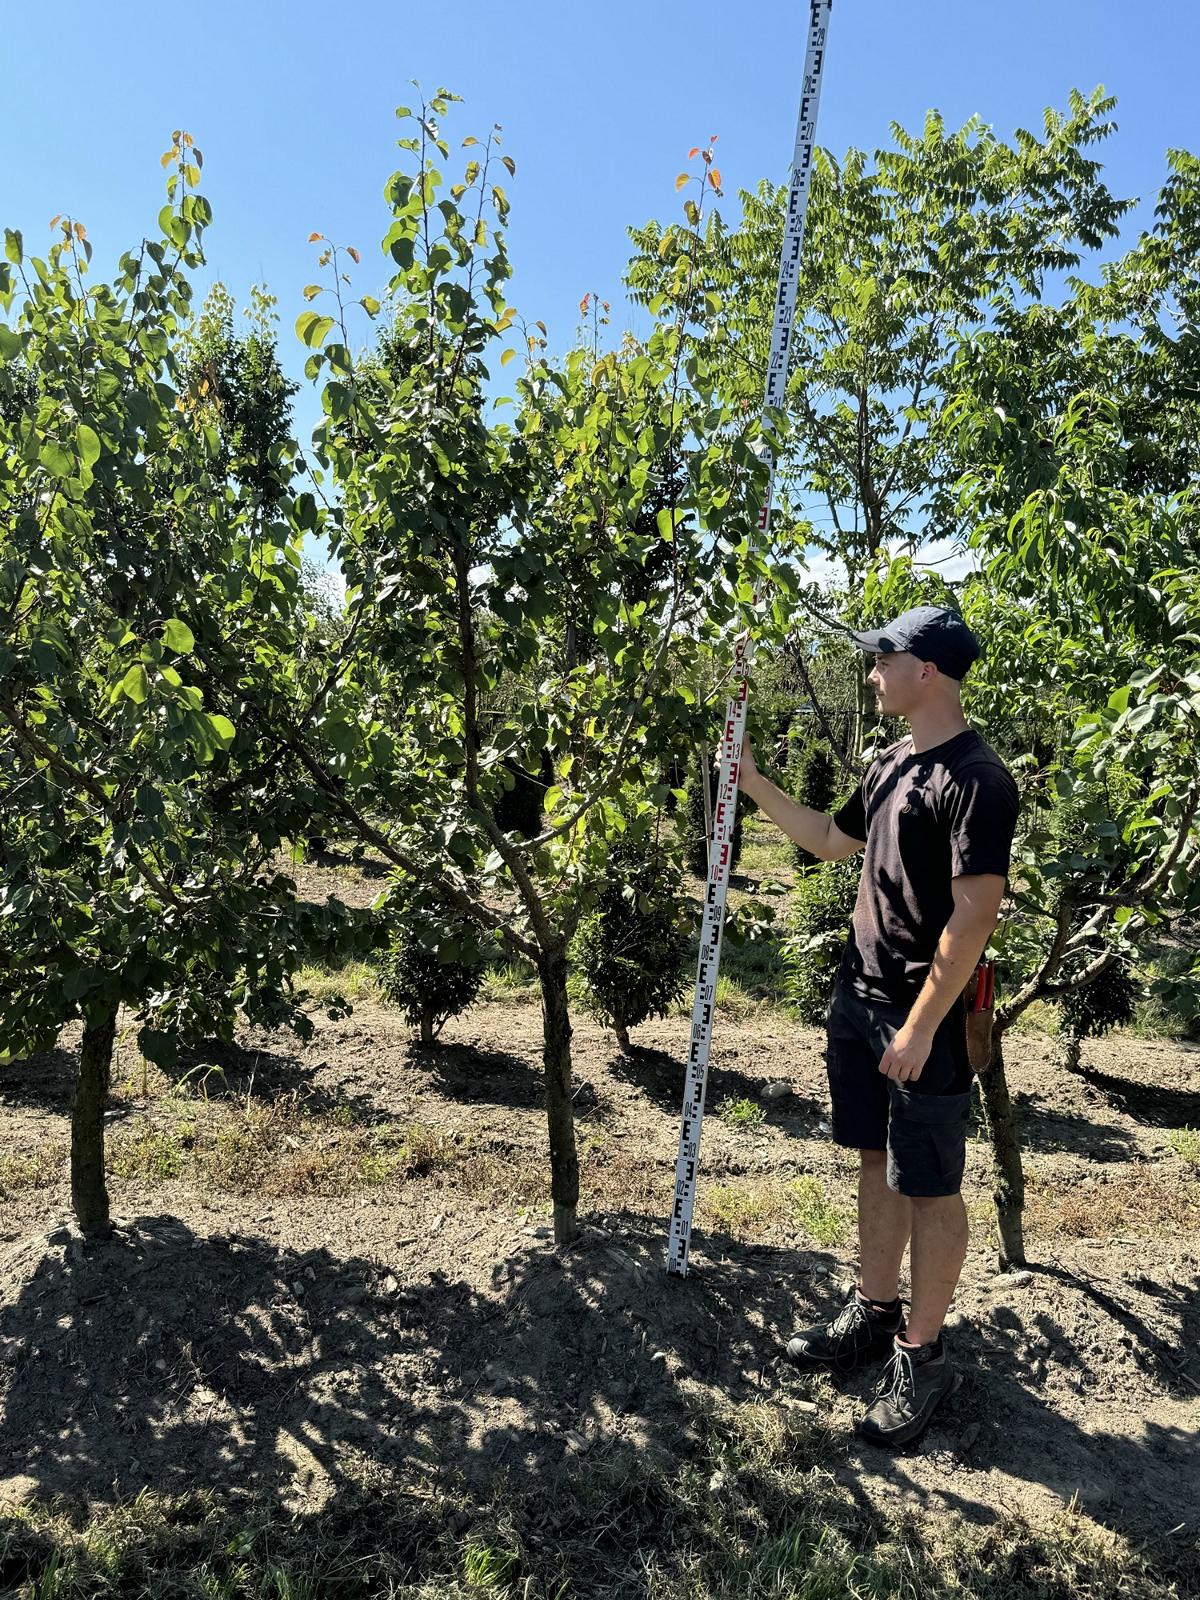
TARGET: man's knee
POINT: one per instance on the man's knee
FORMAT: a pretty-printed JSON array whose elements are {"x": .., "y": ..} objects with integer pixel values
[{"x": 938, "y": 1202}]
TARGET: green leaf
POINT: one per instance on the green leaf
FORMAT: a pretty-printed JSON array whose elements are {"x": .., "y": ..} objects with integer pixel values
[
  {"x": 88, "y": 441},
  {"x": 10, "y": 343},
  {"x": 14, "y": 246},
  {"x": 223, "y": 730},
  {"x": 312, "y": 329},
  {"x": 135, "y": 685},
  {"x": 177, "y": 636},
  {"x": 370, "y": 305},
  {"x": 57, "y": 460},
  {"x": 506, "y": 356}
]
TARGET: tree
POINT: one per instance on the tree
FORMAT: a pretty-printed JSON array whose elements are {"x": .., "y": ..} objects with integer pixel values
[
  {"x": 464, "y": 540},
  {"x": 903, "y": 253},
  {"x": 135, "y": 856},
  {"x": 1081, "y": 423}
]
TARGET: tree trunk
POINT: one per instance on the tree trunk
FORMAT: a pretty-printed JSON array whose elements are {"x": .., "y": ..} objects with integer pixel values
[
  {"x": 89, "y": 1195},
  {"x": 1007, "y": 1175},
  {"x": 858, "y": 730},
  {"x": 622, "y": 1033},
  {"x": 560, "y": 1116},
  {"x": 426, "y": 1027},
  {"x": 1072, "y": 1050}
]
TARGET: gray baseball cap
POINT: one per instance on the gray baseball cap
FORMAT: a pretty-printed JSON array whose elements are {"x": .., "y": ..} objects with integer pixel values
[{"x": 931, "y": 633}]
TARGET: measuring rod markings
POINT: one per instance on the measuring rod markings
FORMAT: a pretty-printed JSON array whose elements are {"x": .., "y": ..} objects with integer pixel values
[{"x": 724, "y": 813}]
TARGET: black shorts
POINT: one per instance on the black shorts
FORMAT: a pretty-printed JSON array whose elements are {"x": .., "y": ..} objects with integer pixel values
[{"x": 921, "y": 1125}]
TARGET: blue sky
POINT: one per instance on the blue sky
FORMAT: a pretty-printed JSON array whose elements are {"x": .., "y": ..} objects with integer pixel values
[{"x": 293, "y": 107}]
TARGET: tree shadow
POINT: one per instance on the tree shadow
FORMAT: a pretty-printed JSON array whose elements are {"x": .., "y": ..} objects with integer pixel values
[
  {"x": 1150, "y": 1103},
  {"x": 1043, "y": 1128},
  {"x": 167, "y": 1358},
  {"x": 660, "y": 1077},
  {"x": 43, "y": 1080},
  {"x": 469, "y": 1074}
]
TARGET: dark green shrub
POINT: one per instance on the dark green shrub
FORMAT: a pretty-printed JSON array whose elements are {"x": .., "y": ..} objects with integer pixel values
[
  {"x": 1109, "y": 1001},
  {"x": 432, "y": 967},
  {"x": 811, "y": 778},
  {"x": 819, "y": 922},
  {"x": 632, "y": 948},
  {"x": 690, "y": 822}
]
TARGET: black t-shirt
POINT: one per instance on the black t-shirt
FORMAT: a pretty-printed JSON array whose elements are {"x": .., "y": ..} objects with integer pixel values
[{"x": 927, "y": 819}]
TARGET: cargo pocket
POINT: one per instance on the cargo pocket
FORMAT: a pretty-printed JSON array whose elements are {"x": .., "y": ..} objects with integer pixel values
[{"x": 927, "y": 1142}]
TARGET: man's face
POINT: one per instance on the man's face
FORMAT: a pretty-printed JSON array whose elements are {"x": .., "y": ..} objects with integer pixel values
[{"x": 899, "y": 681}]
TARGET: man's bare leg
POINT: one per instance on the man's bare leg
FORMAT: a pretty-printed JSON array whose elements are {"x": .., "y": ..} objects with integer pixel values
[
  {"x": 939, "y": 1248},
  {"x": 885, "y": 1221}
]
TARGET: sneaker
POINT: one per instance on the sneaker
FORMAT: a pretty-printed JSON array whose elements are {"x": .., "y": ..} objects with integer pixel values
[
  {"x": 858, "y": 1334},
  {"x": 913, "y": 1385}
]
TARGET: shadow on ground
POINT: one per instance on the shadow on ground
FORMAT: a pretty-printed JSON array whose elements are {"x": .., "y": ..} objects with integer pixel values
[
  {"x": 168, "y": 1359},
  {"x": 1156, "y": 1105},
  {"x": 660, "y": 1077}
]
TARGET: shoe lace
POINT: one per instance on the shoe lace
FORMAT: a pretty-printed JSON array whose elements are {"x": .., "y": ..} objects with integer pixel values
[
  {"x": 897, "y": 1378},
  {"x": 850, "y": 1314}
]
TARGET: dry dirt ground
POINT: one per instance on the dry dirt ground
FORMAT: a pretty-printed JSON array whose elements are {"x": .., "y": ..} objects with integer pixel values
[{"x": 337, "y": 1252}]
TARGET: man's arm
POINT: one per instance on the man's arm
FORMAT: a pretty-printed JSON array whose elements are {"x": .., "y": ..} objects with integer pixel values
[
  {"x": 964, "y": 939},
  {"x": 811, "y": 830}
]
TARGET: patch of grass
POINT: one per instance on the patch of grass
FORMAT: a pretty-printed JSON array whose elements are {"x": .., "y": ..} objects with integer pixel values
[
  {"x": 281, "y": 1150},
  {"x": 152, "y": 1154},
  {"x": 1041, "y": 1018},
  {"x": 489, "y": 1568},
  {"x": 1186, "y": 1144},
  {"x": 31, "y": 1169},
  {"x": 822, "y": 1221},
  {"x": 745, "y": 1115},
  {"x": 734, "y": 999},
  {"x": 1145, "y": 1203},
  {"x": 513, "y": 984},
  {"x": 751, "y": 1512},
  {"x": 752, "y": 1210},
  {"x": 353, "y": 981}
]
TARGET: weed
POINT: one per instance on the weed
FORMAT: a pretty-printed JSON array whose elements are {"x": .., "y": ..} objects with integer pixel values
[
  {"x": 323, "y": 985},
  {"x": 758, "y": 1208},
  {"x": 515, "y": 983},
  {"x": 31, "y": 1169},
  {"x": 153, "y": 1154},
  {"x": 489, "y": 1568},
  {"x": 1186, "y": 1144},
  {"x": 745, "y": 1115},
  {"x": 812, "y": 1209},
  {"x": 1151, "y": 1202}
]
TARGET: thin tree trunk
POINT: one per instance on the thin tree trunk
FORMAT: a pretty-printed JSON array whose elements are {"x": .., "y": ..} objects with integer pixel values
[
  {"x": 89, "y": 1195},
  {"x": 622, "y": 1033},
  {"x": 1072, "y": 1050},
  {"x": 560, "y": 1116},
  {"x": 1008, "y": 1177},
  {"x": 706, "y": 793},
  {"x": 426, "y": 1028}
]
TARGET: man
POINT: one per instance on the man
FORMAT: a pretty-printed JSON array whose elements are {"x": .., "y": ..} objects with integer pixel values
[{"x": 936, "y": 813}]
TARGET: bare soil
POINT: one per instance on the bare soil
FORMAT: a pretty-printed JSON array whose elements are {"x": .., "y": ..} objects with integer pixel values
[{"x": 266, "y": 1325}]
